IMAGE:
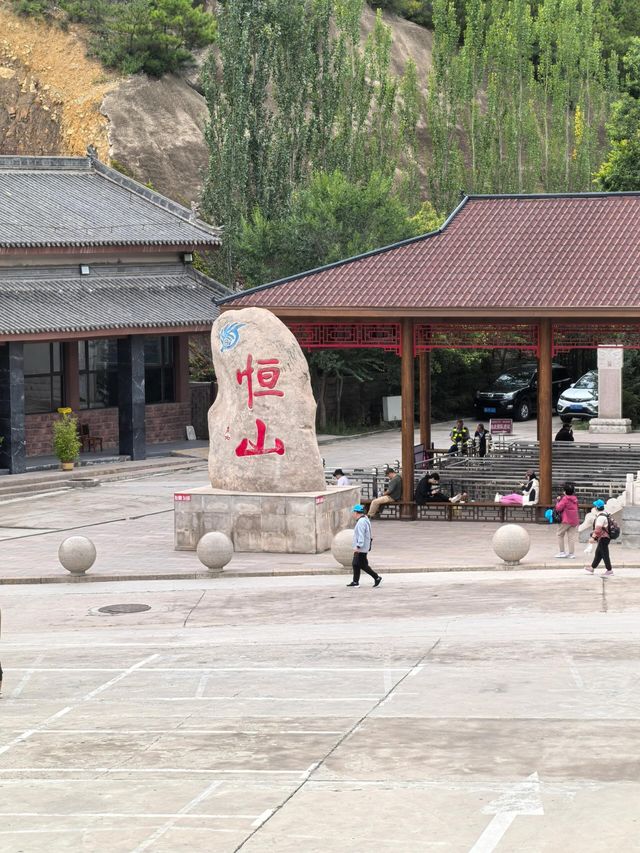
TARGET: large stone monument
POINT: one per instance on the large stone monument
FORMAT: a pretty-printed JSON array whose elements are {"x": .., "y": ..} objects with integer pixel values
[
  {"x": 262, "y": 433},
  {"x": 610, "y": 418},
  {"x": 268, "y": 490}
]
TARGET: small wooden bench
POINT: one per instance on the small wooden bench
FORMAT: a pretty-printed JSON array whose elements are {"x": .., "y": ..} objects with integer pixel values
[{"x": 397, "y": 510}]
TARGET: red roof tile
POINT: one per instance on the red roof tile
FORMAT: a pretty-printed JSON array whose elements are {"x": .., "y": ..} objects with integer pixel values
[{"x": 495, "y": 253}]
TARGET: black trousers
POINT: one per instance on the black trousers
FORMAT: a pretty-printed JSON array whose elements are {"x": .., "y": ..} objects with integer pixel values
[
  {"x": 602, "y": 553},
  {"x": 361, "y": 563}
]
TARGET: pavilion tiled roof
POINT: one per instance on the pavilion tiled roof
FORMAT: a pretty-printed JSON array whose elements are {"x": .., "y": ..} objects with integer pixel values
[
  {"x": 495, "y": 254},
  {"x": 79, "y": 202}
]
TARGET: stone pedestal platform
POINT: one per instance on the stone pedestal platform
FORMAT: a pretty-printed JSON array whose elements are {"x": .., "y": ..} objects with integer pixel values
[
  {"x": 293, "y": 523},
  {"x": 609, "y": 425}
]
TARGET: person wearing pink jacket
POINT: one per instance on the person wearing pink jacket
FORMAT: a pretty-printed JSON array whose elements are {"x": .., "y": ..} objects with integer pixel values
[{"x": 567, "y": 506}]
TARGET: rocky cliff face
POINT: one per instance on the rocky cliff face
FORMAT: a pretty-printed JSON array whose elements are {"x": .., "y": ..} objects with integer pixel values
[{"x": 54, "y": 100}]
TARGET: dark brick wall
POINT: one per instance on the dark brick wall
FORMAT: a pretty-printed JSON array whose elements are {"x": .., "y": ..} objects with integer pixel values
[
  {"x": 167, "y": 422},
  {"x": 163, "y": 422}
]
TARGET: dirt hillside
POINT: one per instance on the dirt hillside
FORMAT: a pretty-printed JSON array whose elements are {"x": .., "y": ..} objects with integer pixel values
[
  {"x": 50, "y": 93},
  {"x": 54, "y": 100}
]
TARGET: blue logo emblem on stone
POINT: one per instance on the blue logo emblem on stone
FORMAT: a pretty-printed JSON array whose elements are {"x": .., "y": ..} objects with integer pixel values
[{"x": 230, "y": 336}]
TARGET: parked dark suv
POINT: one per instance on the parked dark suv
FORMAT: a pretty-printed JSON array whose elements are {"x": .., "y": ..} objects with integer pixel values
[{"x": 514, "y": 394}]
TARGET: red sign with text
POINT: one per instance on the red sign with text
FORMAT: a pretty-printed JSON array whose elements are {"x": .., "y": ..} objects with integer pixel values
[{"x": 501, "y": 426}]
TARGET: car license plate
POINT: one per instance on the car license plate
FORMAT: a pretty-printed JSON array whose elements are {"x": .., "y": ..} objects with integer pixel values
[
  {"x": 489, "y": 410},
  {"x": 576, "y": 408}
]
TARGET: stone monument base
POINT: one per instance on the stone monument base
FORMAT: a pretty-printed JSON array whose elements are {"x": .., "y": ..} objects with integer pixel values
[
  {"x": 604, "y": 425},
  {"x": 289, "y": 523}
]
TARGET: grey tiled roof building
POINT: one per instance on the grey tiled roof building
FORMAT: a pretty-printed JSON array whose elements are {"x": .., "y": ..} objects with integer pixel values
[
  {"x": 98, "y": 299},
  {"x": 78, "y": 201}
]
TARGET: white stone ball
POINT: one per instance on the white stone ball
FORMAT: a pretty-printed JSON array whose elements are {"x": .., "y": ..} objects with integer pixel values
[
  {"x": 342, "y": 548},
  {"x": 77, "y": 554},
  {"x": 214, "y": 550},
  {"x": 511, "y": 543}
]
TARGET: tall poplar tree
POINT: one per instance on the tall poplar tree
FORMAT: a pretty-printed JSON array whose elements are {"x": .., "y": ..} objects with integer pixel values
[
  {"x": 291, "y": 91},
  {"x": 518, "y": 103}
]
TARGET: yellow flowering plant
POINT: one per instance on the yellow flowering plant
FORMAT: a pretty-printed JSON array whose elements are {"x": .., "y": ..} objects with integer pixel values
[{"x": 66, "y": 441}]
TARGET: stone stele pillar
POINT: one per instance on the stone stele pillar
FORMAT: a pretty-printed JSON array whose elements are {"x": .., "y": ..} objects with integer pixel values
[{"x": 610, "y": 393}]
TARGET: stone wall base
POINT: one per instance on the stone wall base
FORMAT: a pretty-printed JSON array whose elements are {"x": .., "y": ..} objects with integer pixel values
[
  {"x": 604, "y": 425},
  {"x": 289, "y": 523}
]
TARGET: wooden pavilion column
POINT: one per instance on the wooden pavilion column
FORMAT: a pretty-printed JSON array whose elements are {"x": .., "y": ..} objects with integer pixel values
[
  {"x": 424, "y": 403},
  {"x": 408, "y": 417},
  {"x": 545, "y": 405}
]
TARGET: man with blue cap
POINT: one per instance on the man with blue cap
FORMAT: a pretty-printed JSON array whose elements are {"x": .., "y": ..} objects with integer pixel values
[
  {"x": 600, "y": 536},
  {"x": 361, "y": 547}
]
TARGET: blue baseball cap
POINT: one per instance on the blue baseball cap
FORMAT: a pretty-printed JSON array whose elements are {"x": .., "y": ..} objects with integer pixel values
[
  {"x": 360, "y": 508},
  {"x": 599, "y": 504}
]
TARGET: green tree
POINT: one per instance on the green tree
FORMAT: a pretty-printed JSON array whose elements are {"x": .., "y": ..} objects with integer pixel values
[
  {"x": 517, "y": 99},
  {"x": 330, "y": 219},
  {"x": 361, "y": 365},
  {"x": 617, "y": 22},
  {"x": 154, "y": 36},
  {"x": 444, "y": 97},
  {"x": 290, "y": 91},
  {"x": 621, "y": 169}
]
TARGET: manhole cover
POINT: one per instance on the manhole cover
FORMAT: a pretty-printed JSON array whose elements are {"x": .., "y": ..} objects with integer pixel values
[{"x": 124, "y": 608}]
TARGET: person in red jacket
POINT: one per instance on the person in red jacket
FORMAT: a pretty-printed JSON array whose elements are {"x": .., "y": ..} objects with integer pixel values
[{"x": 567, "y": 506}]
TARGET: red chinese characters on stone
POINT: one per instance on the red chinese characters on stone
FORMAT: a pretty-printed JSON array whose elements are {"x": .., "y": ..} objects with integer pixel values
[
  {"x": 267, "y": 376},
  {"x": 257, "y": 448}
]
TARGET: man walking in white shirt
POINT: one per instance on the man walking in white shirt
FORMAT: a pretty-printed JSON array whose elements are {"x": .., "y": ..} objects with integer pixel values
[{"x": 361, "y": 548}]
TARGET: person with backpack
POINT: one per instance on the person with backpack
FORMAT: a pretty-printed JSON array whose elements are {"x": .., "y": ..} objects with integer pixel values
[
  {"x": 601, "y": 537},
  {"x": 361, "y": 546},
  {"x": 568, "y": 514}
]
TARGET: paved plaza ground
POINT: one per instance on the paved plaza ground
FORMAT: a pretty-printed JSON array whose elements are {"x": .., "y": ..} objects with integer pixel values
[{"x": 470, "y": 711}]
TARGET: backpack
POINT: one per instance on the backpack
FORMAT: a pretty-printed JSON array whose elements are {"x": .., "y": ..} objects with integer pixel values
[{"x": 614, "y": 528}]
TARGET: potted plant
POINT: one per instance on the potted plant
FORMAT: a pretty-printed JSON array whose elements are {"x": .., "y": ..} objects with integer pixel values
[{"x": 66, "y": 441}]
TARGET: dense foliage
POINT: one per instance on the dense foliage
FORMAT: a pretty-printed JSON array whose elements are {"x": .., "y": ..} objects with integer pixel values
[
  {"x": 621, "y": 169},
  {"x": 418, "y": 11},
  {"x": 329, "y": 219},
  {"x": 291, "y": 91},
  {"x": 616, "y": 21},
  {"x": 154, "y": 36},
  {"x": 517, "y": 101}
]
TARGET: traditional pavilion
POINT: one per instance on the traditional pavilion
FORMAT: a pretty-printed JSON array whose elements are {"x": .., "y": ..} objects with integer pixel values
[
  {"x": 538, "y": 273},
  {"x": 98, "y": 297}
]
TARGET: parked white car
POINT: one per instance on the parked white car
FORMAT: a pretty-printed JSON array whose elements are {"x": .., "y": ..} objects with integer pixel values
[{"x": 581, "y": 399}]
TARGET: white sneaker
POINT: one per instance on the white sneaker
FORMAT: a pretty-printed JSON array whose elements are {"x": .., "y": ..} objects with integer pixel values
[
  {"x": 560, "y": 555},
  {"x": 570, "y": 556}
]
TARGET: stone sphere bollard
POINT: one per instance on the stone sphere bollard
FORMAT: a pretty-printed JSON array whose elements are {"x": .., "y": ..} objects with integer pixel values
[
  {"x": 214, "y": 550},
  {"x": 342, "y": 548},
  {"x": 511, "y": 543},
  {"x": 77, "y": 554}
]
